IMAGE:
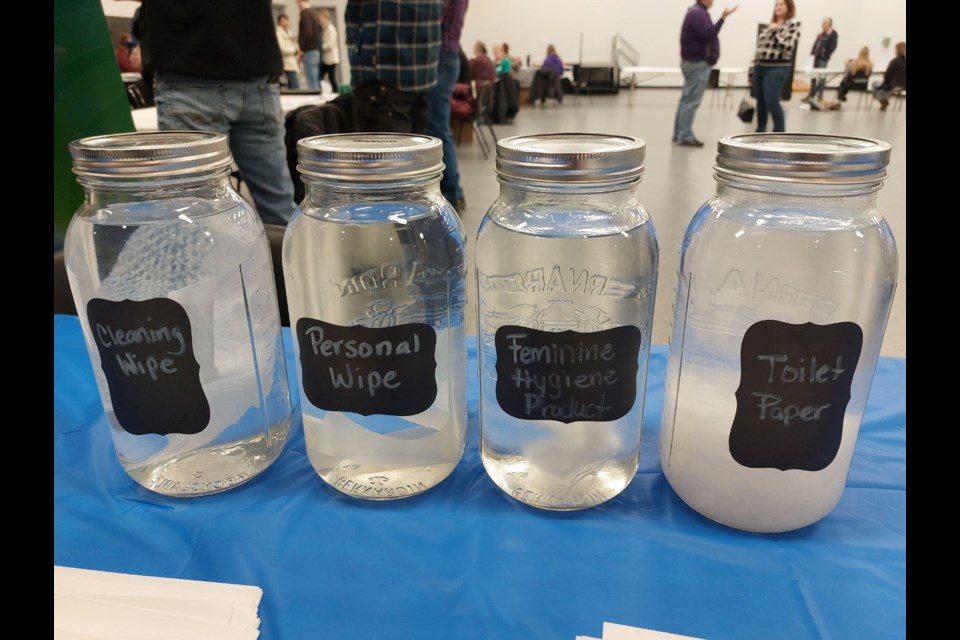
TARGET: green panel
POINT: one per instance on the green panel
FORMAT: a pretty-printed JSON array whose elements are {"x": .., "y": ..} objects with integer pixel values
[{"x": 88, "y": 96}]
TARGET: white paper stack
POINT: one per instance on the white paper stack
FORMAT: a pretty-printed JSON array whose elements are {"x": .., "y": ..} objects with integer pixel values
[
  {"x": 613, "y": 631},
  {"x": 99, "y": 605}
]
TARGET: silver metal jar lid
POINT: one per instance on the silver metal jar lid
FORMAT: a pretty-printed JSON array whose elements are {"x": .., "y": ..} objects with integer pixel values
[
  {"x": 571, "y": 157},
  {"x": 803, "y": 157},
  {"x": 150, "y": 155},
  {"x": 370, "y": 156}
]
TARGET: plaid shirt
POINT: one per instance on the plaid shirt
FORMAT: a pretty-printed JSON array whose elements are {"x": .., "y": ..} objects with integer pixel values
[{"x": 394, "y": 41}]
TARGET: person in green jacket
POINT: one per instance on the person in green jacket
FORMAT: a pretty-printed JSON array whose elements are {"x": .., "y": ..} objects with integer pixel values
[{"x": 501, "y": 60}]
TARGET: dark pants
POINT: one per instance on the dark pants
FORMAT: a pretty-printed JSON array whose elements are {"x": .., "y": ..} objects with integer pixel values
[
  {"x": 438, "y": 122},
  {"x": 854, "y": 83},
  {"x": 379, "y": 107},
  {"x": 817, "y": 85},
  {"x": 330, "y": 70},
  {"x": 767, "y": 86}
]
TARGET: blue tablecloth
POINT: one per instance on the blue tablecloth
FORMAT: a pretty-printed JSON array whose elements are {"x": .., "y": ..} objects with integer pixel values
[{"x": 464, "y": 560}]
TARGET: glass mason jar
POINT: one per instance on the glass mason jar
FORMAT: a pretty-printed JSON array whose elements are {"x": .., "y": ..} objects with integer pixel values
[
  {"x": 375, "y": 277},
  {"x": 171, "y": 273},
  {"x": 567, "y": 275},
  {"x": 785, "y": 282}
]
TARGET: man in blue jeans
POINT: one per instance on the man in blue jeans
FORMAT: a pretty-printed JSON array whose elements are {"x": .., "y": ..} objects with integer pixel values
[
  {"x": 438, "y": 99},
  {"x": 310, "y": 38},
  {"x": 218, "y": 68},
  {"x": 699, "y": 50}
]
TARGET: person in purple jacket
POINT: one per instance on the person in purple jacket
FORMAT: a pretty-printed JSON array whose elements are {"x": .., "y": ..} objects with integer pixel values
[
  {"x": 553, "y": 61},
  {"x": 699, "y": 50}
]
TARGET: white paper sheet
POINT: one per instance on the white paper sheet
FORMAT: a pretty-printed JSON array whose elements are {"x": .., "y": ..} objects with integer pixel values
[
  {"x": 99, "y": 605},
  {"x": 613, "y": 631}
]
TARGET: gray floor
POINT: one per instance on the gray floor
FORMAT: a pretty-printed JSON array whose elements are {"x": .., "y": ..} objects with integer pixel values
[{"x": 679, "y": 179}]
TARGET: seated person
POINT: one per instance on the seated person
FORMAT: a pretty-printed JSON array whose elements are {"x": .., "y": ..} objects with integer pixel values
[
  {"x": 895, "y": 77},
  {"x": 501, "y": 60},
  {"x": 480, "y": 66},
  {"x": 553, "y": 61},
  {"x": 857, "y": 76},
  {"x": 546, "y": 82},
  {"x": 515, "y": 62}
]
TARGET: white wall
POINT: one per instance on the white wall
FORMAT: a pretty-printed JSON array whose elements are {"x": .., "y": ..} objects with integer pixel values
[
  {"x": 119, "y": 8},
  {"x": 651, "y": 26}
]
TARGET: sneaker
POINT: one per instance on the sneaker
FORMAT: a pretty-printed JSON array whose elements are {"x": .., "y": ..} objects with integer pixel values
[
  {"x": 884, "y": 104},
  {"x": 692, "y": 142}
]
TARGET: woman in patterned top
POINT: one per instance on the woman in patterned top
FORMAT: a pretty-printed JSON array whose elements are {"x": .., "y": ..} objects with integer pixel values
[{"x": 776, "y": 48}]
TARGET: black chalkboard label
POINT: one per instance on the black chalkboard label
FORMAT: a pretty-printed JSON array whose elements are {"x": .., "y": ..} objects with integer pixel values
[
  {"x": 567, "y": 376},
  {"x": 794, "y": 389},
  {"x": 146, "y": 352},
  {"x": 388, "y": 371}
]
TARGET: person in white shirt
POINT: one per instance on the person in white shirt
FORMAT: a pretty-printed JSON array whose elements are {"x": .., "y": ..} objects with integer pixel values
[
  {"x": 290, "y": 51},
  {"x": 330, "y": 50}
]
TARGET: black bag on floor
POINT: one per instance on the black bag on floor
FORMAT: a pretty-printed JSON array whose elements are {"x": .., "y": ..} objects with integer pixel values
[{"x": 748, "y": 107}]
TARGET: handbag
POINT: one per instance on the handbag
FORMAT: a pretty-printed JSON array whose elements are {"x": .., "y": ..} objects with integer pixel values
[{"x": 748, "y": 106}]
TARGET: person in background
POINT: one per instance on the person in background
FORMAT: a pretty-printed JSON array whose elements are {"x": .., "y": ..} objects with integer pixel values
[
  {"x": 546, "y": 81},
  {"x": 515, "y": 62},
  {"x": 858, "y": 73},
  {"x": 553, "y": 61},
  {"x": 501, "y": 60},
  {"x": 776, "y": 51},
  {"x": 823, "y": 48},
  {"x": 218, "y": 68},
  {"x": 330, "y": 50},
  {"x": 480, "y": 66},
  {"x": 895, "y": 77},
  {"x": 438, "y": 99},
  {"x": 289, "y": 50},
  {"x": 699, "y": 50},
  {"x": 310, "y": 38},
  {"x": 394, "y": 48},
  {"x": 128, "y": 53}
]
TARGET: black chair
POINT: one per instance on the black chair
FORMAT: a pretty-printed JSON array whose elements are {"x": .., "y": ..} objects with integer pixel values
[
  {"x": 899, "y": 95},
  {"x": 303, "y": 122},
  {"x": 896, "y": 93},
  {"x": 546, "y": 84},
  {"x": 481, "y": 118},
  {"x": 505, "y": 100},
  {"x": 135, "y": 97},
  {"x": 862, "y": 87},
  {"x": 858, "y": 82}
]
